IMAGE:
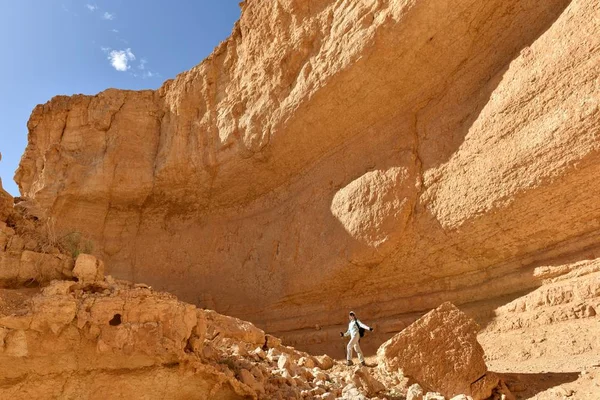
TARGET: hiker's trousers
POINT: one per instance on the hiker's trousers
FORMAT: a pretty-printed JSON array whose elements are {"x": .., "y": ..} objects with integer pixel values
[{"x": 353, "y": 343}]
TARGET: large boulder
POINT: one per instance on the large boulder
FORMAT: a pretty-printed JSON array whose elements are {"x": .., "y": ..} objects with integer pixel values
[{"x": 440, "y": 351}]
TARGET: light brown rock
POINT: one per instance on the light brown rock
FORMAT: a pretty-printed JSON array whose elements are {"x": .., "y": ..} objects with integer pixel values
[
  {"x": 88, "y": 269},
  {"x": 248, "y": 379},
  {"x": 363, "y": 379},
  {"x": 18, "y": 266},
  {"x": 440, "y": 351},
  {"x": 234, "y": 328},
  {"x": 325, "y": 362},
  {"x": 444, "y": 151},
  {"x": 6, "y": 203}
]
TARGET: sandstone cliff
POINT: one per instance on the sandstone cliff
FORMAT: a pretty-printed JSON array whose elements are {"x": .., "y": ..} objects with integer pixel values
[
  {"x": 379, "y": 155},
  {"x": 68, "y": 331}
]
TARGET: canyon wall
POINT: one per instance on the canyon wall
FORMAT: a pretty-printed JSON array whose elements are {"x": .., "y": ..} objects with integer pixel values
[{"x": 378, "y": 155}]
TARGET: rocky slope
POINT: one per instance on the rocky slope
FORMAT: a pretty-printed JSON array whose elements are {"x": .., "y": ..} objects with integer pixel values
[
  {"x": 382, "y": 155},
  {"x": 74, "y": 333}
]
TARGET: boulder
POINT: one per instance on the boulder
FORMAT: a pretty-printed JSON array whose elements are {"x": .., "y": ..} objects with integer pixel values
[
  {"x": 440, "y": 351},
  {"x": 325, "y": 362},
  {"x": 88, "y": 269}
]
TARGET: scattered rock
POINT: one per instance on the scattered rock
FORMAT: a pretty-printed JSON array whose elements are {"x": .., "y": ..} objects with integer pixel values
[
  {"x": 415, "y": 392},
  {"x": 248, "y": 379},
  {"x": 433, "y": 396},
  {"x": 284, "y": 363},
  {"x": 307, "y": 362},
  {"x": 350, "y": 392},
  {"x": 363, "y": 379},
  {"x": 325, "y": 362}
]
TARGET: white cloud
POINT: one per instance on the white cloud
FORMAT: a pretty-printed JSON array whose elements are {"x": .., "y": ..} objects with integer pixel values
[
  {"x": 145, "y": 74},
  {"x": 120, "y": 59},
  {"x": 108, "y": 16},
  {"x": 143, "y": 63},
  {"x": 105, "y": 49},
  {"x": 115, "y": 30},
  {"x": 91, "y": 7}
]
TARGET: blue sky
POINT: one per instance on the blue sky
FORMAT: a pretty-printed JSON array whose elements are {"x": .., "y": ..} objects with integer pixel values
[{"x": 56, "y": 47}]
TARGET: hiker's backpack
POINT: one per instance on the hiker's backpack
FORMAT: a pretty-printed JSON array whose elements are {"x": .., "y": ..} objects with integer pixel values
[{"x": 361, "y": 330}]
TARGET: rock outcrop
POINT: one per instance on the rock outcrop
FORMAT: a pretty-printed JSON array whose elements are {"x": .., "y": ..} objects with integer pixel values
[
  {"x": 6, "y": 201},
  {"x": 384, "y": 156}
]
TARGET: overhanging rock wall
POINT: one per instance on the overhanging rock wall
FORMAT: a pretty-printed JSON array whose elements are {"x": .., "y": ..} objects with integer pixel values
[{"x": 383, "y": 156}]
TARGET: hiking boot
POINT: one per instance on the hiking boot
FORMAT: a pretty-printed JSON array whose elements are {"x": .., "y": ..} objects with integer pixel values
[
  {"x": 364, "y": 364},
  {"x": 349, "y": 363}
]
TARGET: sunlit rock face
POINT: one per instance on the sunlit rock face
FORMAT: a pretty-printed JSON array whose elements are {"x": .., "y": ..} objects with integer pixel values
[{"x": 383, "y": 156}]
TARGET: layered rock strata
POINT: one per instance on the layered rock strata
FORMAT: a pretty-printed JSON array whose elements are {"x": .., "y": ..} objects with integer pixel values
[{"x": 384, "y": 156}]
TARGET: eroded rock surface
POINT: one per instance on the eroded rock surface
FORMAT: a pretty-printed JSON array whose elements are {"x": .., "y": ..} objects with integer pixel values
[{"x": 382, "y": 156}]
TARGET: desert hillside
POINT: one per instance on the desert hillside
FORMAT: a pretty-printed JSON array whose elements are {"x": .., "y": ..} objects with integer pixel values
[{"x": 382, "y": 156}]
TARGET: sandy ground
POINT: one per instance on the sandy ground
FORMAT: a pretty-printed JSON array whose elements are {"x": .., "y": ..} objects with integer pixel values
[{"x": 558, "y": 361}]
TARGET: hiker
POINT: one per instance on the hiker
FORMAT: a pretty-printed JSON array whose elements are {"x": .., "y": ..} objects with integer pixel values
[{"x": 356, "y": 330}]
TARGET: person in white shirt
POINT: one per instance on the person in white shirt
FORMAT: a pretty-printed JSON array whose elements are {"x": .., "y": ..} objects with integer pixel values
[{"x": 354, "y": 332}]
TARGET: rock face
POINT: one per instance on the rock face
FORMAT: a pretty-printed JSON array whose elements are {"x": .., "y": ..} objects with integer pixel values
[
  {"x": 6, "y": 201},
  {"x": 440, "y": 351},
  {"x": 383, "y": 156}
]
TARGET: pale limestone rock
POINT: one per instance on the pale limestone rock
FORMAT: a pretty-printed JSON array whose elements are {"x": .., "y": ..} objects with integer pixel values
[
  {"x": 433, "y": 396},
  {"x": 327, "y": 396},
  {"x": 284, "y": 363},
  {"x": 273, "y": 355},
  {"x": 350, "y": 392},
  {"x": 415, "y": 392}
]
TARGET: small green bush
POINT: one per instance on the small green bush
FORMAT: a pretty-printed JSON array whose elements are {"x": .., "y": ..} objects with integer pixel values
[{"x": 75, "y": 243}]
